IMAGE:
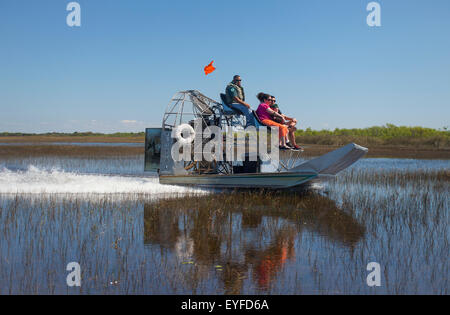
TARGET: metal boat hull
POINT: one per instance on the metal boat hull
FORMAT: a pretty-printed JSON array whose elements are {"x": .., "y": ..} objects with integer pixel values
[
  {"x": 326, "y": 165},
  {"x": 259, "y": 180}
]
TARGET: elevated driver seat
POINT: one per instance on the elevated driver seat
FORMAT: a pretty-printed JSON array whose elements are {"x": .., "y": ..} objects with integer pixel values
[{"x": 227, "y": 110}]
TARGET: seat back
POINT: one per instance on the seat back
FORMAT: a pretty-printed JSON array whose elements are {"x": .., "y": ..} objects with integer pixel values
[
  {"x": 223, "y": 97},
  {"x": 227, "y": 110},
  {"x": 259, "y": 123}
]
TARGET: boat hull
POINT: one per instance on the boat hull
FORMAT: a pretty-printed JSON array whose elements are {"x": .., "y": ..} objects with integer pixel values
[{"x": 260, "y": 180}]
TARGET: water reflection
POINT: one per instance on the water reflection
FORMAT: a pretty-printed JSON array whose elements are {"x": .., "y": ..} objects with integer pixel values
[{"x": 246, "y": 239}]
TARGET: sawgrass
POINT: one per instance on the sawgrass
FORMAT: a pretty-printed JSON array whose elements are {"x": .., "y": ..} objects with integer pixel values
[{"x": 234, "y": 243}]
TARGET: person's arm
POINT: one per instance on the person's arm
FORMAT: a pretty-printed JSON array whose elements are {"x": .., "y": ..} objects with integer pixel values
[
  {"x": 289, "y": 118},
  {"x": 274, "y": 113},
  {"x": 238, "y": 100}
]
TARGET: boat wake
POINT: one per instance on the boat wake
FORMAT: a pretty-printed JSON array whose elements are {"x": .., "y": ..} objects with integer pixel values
[{"x": 35, "y": 180}]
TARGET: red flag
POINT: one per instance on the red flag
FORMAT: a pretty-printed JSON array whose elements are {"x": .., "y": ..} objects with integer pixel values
[{"x": 209, "y": 68}]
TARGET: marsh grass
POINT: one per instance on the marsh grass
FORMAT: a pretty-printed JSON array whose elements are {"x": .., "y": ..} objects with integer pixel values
[
  {"x": 74, "y": 137},
  {"x": 383, "y": 141},
  {"x": 406, "y": 215},
  {"x": 386, "y": 178},
  {"x": 235, "y": 243},
  {"x": 388, "y": 134},
  {"x": 252, "y": 242},
  {"x": 436, "y": 142},
  {"x": 311, "y": 150},
  {"x": 18, "y": 151},
  {"x": 380, "y": 151}
]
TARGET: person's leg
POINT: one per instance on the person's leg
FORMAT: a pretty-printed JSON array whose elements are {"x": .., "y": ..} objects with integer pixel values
[
  {"x": 289, "y": 125},
  {"x": 282, "y": 129},
  {"x": 283, "y": 142},
  {"x": 292, "y": 135},
  {"x": 284, "y": 132},
  {"x": 247, "y": 112}
]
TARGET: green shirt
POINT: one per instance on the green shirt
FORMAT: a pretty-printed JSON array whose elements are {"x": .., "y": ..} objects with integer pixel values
[{"x": 232, "y": 91}]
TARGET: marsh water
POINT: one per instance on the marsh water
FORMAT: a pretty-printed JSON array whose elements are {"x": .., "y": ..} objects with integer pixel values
[{"x": 132, "y": 235}]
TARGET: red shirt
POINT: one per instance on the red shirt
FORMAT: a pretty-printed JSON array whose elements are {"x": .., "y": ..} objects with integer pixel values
[{"x": 262, "y": 112}]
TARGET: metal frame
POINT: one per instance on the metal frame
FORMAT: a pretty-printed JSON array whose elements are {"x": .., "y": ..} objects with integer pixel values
[
  {"x": 191, "y": 104},
  {"x": 188, "y": 105}
]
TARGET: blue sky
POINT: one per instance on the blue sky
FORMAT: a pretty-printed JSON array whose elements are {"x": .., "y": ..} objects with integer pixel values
[{"x": 326, "y": 66}]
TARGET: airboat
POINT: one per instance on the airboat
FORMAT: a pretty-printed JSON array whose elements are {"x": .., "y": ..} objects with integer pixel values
[{"x": 192, "y": 116}]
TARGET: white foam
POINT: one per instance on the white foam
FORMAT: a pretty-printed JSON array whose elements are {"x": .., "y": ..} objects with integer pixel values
[
  {"x": 317, "y": 186},
  {"x": 37, "y": 181}
]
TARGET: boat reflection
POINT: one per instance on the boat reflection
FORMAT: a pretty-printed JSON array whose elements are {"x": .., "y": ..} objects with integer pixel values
[{"x": 242, "y": 236}]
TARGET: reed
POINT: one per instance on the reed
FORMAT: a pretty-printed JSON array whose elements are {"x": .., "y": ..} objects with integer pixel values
[{"x": 236, "y": 242}]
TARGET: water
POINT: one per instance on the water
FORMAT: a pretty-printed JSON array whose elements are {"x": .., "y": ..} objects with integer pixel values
[
  {"x": 34, "y": 180},
  {"x": 132, "y": 235},
  {"x": 134, "y": 165},
  {"x": 131, "y": 165}
]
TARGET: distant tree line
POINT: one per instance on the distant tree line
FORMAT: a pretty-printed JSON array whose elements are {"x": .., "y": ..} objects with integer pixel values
[{"x": 378, "y": 135}]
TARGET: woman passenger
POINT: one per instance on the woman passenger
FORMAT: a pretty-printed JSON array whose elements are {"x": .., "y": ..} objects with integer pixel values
[{"x": 265, "y": 114}]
